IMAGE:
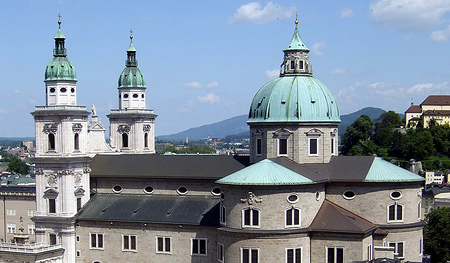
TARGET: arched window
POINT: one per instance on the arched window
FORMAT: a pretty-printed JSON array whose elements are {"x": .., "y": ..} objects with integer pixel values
[
  {"x": 146, "y": 140},
  {"x": 51, "y": 141},
  {"x": 76, "y": 141},
  {"x": 293, "y": 217},
  {"x": 395, "y": 212},
  {"x": 124, "y": 140},
  {"x": 250, "y": 217}
]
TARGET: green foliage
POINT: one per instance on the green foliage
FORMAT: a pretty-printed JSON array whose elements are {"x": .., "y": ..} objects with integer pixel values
[
  {"x": 18, "y": 166},
  {"x": 384, "y": 127},
  {"x": 355, "y": 136},
  {"x": 437, "y": 235},
  {"x": 195, "y": 149}
]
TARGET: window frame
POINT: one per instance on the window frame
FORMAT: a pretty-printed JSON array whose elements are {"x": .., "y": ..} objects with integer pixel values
[
  {"x": 52, "y": 236},
  {"x": 164, "y": 244},
  {"x": 251, "y": 219},
  {"x": 396, "y": 248},
  {"x": 250, "y": 250},
  {"x": 199, "y": 246},
  {"x": 284, "y": 139},
  {"x": 335, "y": 254},
  {"x": 294, "y": 250},
  {"x": 99, "y": 242},
  {"x": 220, "y": 252},
  {"x": 52, "y": 205},
  {"x": 293, "y": 222},
  {"x": 258, "y": 146},
  {"x": 316, "y": 139},
  {"x": 396, "y": 219},
  {"x": 130, "y": 239},
  {"x": 223, "y": 214},
  {"x": 11, "y": 228}
]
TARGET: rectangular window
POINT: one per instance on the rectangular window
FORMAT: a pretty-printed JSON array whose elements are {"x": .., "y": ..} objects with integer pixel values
[
  {"x": 96, "y": 241},
  {"x": 293, "y": 217},
  {"x": 300, "y": 64},
  {"x": 220, "y": 252},
  {"x": 51, "y": 206},
  {"x": 258, "y": 146},
  {"x": 250, "y": 217},
  {"x": 282, "y": 146},
  {"x": 313, "y": 150},
  {"x": 129, "y": 243},
  {"x": 332, "y": 146},
  {"x": 292, "y": 64},
  {"x": 11, "y": 228},
  {"x": 163, "y": 244},
  {"x": 293, "y": 255},
  {"x": 223, "y": 214},
  {"x": 78, "y": 203},
  {"x": 52, "y": 238},
  {"x": 11, "y": 212},
  {"x": 398, "y": 248},
  {"x": 199, "y": 246},
  {"x": 369, "y": 253},
  {"x": 31, "y": 229},
  {"x": 31, "y": 213},
  {"x": 249, "y": 255},
  {"x": 335, "y": 255}
]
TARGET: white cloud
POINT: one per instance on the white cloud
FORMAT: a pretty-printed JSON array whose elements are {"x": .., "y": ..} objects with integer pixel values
[
  {"x": 428, "y": 88},
  {"x": 213, "y": 84},
  {"x": 317, "y": 48},
  {"x": 18, "y": 91},
  {"x": 409, "y": 14},
  {"x": 346, "y": 13},
  {"x": 186, "y": 107},
  {"x": 198, "y": 85},
  {"x": 441, "y": 35},
  {"x": 2, "y": 111},
  {"x": 339, "y": 71},
  {"x": 210, "y": 98},
  {"x": 270, "y": 74},
  {"x": 255, "y": 13}
]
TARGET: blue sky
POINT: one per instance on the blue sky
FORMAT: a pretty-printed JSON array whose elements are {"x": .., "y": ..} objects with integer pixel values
[{"x": 204, "y": 60}]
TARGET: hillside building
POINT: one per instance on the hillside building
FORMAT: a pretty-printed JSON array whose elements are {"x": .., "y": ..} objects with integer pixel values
[
  {"x": 434, "y": 107},
  {"x": 292, "y": 200}
]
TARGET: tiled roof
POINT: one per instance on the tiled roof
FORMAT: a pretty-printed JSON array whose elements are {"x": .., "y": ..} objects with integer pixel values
[
  {"x": 265, "y": 172},
  {"x": 166, "y": 166},
  {"x": 333, "y": 218},
  {"x": 168, "y": 209},
  {"x": 437, "y": 100},
  {"x": 414, "y": 109},
  {"x": 437, "y": 113}
]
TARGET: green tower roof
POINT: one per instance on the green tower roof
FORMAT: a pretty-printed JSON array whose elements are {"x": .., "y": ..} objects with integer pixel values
[
  {"x": 296, "y": 42},
  {"x": 60, "y": 67},
  {"x": 383, "y": 171},
  {"x": 131, "y": 76},
  {"x": 265, "y": 172}
]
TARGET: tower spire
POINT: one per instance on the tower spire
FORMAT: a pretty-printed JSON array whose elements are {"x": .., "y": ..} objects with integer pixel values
[
  {"x": 131, "y": 53},
  {"x": 296, "y": 20},
  {"x": 59, "y": 20}
]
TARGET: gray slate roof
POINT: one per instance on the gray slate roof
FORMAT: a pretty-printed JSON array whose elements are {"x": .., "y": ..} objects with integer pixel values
[
  {"x": 168, "y": 209},
  {"x": 167, "y": 166}
]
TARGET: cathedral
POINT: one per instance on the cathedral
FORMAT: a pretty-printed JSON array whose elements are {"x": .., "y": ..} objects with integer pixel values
[{"x": 294, "y": 199}]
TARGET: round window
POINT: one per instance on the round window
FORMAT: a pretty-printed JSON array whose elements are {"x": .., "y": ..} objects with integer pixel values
[
  {"x": 349, "y": 195},
  {"x": 293, "y": 198},
  {"x": 52, "y": 90},
  {"x": 396, "y": 195},
  {"x": 149, "y": 190},
  {"x": 117, "y": 189},
  {"x": 135, "y": 95},
  {"x": 142, "y": 96},
  {"x": 216, "y": 191},
  {"x": 182, "y": 190},
  {"x": 72, "y": 90},
  {"x": 63, "y": 90},
  {"x": 125, "y": 96},
  {"x": 317, "y": 196},
  {"x": 222, "y": 196}
]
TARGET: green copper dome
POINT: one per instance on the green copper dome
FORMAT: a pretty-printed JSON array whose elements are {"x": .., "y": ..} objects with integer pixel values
[
  {"x": 296, "y": 96},
  {"x": 294, "y": 99},
  {"x": 131, "y": 76},
  {"x": 60, "y": 67}
]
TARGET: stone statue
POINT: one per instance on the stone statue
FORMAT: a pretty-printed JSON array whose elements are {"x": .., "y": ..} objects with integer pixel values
[{"x": 94, "y": 110}]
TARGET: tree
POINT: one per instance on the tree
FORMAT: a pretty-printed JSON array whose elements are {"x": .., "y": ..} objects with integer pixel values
[
  {"x": 437, "y": 235},
  {"x": 359, "y": 132},
  {"x": 384, "y": 127},
  {"x": 18, "y": 166}
]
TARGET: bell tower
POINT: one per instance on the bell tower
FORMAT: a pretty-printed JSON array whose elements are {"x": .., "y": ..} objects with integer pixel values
[
  {"x": 132, "y": 126},
  {"x": 61, "y": 159}
]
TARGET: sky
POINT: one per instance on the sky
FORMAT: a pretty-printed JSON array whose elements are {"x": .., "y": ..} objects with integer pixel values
[{"x": 203, "y": 61}]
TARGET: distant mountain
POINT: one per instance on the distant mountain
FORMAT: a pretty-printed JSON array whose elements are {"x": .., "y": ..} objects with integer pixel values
[
  {"x": 238, "y": 125},
  {"x": 347, "y": 120},
  {"x": 219, "y": 129}
]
